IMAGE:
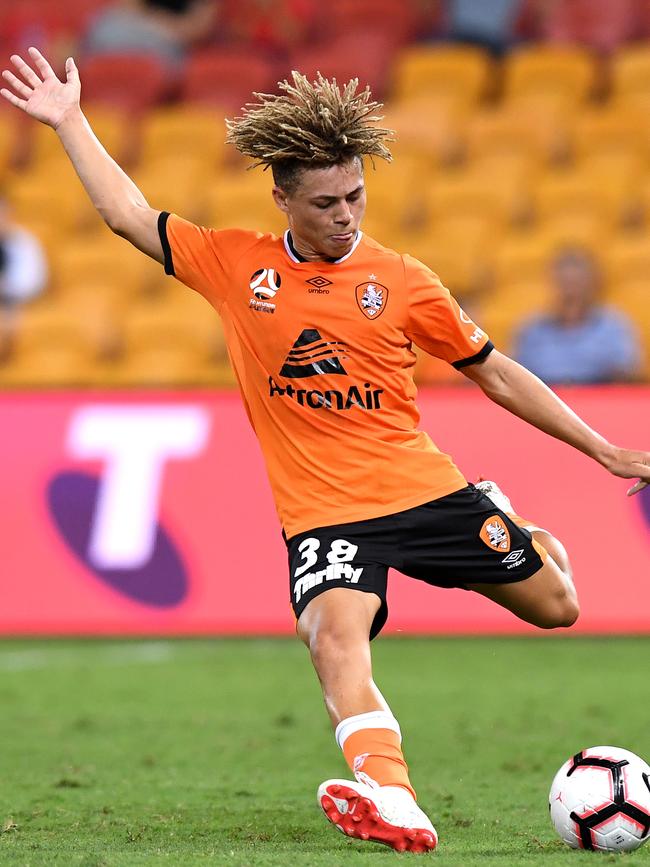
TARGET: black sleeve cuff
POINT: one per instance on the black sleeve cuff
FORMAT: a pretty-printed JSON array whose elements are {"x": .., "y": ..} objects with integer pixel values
[
  {"x": 465, "y": 362},
  {"x": 163, "y": 216}
]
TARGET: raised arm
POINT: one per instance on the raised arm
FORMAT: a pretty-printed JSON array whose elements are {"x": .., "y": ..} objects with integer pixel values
[
  {"x": 523, "y": 394},
  {"x": 40, "y": 94}
]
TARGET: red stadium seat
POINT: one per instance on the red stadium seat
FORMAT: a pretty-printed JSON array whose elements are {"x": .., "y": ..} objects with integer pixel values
[
  {"x": 363, "y": 56},
  {"x": 127, "y": 81},
  {"x": 226, "y": 79},
  {"x": 391, "y": 18}
]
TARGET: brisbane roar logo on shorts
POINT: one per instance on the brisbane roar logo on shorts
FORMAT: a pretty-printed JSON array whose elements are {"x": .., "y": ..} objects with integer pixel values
[
  {"x": 495, "y": 534},
  {"x": 372, "y": 299}
]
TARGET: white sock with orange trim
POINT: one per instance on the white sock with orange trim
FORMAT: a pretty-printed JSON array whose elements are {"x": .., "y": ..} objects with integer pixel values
[{"x": 372, "y": 746}]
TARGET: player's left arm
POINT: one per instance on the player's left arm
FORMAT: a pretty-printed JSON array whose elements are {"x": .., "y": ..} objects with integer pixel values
[{"x": 520, "y": 392}]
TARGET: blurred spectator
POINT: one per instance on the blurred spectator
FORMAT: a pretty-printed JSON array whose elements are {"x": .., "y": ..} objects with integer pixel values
[
  {"x": 275, "y": 27},
  {"x": 23, "y": 272},
  {"x": 492, "y": 24},
  {"x": 581, "y": 341},
  {"x": 163, "y": 28},
  {"x": 600, "y": 24}
]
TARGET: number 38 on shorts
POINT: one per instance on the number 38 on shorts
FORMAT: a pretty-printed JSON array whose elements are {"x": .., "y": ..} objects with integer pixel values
[{"x": 317, "y": 563}]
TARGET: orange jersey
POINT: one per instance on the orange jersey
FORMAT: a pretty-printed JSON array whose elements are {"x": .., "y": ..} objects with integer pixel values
[{"x": 322, "y": 352}]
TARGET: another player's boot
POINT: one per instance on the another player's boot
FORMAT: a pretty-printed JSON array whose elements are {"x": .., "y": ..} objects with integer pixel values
[
  {"x": 494, "y": 492},
  {"x": 382, "y": 814}
]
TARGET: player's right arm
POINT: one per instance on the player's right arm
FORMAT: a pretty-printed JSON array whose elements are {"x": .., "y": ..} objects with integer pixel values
[{"x": 40, "y": 94}]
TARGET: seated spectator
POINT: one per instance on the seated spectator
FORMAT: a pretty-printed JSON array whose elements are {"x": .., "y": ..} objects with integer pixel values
[
  {"x": 491, "y": 24},
  {"x": 163, "y": 28},
  {"x": 23, "y": 273},
  {"x": 581, "y": 341}
]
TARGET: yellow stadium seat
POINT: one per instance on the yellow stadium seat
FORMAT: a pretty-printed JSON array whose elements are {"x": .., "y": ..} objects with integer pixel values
[
  {"x": 577, "y": 229},
  {"x": 521, "y": 258},
  {"x": 570, "y": 194},
  {"x": 108, "y": 257},
  {"x": 169, "y": 344},
  {"x": 176, "y": 184},
  {"x": 564, "y": 74},
  {"x": 244, "y": 201},
  {"x": 610, "y": 131},
  {"x": 448, "y": 74},
  {"x": 426, "y": 129},
  {"x": 53, "y": 347},
  {"x": 192, "y": 131},
  {"x": 459, "y": 250},
  {"x": 510, "y": 306},
  {"x": 630, "y": 75},
  {"x": 517, "y": 131},
  {"x": 111, "y": 127},
  {"x": 53, "y": 196},
  {"x": 500, "y": 200},
  {"x": 627, "y": 259},
  {"x": 7, "y": 142}
]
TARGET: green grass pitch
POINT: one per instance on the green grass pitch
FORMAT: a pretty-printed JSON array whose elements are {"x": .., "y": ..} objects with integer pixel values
[{"x": 210, "y": 752}]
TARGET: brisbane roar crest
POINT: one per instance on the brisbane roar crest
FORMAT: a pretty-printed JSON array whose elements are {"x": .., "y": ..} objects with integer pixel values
[
  {"x": 372, "y": 299},
  {"x": 495, "y": 534}
]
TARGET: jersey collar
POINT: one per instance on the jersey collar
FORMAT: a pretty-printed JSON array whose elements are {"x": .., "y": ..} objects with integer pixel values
[{"x": 295, "y": 256}]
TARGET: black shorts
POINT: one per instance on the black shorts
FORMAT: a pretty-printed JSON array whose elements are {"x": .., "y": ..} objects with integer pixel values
[{"x": 453, "y": 541}]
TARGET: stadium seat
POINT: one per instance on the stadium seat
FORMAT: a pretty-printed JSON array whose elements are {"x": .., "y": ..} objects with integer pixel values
[
  {"x": 615, "y": 129},
  {"x": 187, "y": 130},
  {"x": 564, "y": 74},
  {"x": 499, "y": 200},
  {"x": 517, "y": 130},
  {"x": 627, "y": 259},
  {"x": 226, "y": 79},
  {"x": 459, "y": 249},
  {"x": 505, "y": 310},
  {"x": 109, "y": 124},
  {"x": 53, "y": 347},
  {"x": 630, "y": 75},
  {"x": 244, "y": 201},
  {"x": 130, "y": 82},
  {"x": 56, "y": 198},
  {"x": 175, "y": 183},
  {"x": 449, "y": 75},
  {"x": 173, "y": 343},
  {"x": 426, "y": 129},
  {"x": 106, "y": 258},
  {"x": 566, "y": 194},
  {"x": 394, "y": 18},
  {"x": 364, "y": 56},
  {"x": 521, "y": 258}
]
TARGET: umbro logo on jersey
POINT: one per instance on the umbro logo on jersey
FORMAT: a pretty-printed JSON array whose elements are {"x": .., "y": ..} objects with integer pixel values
[
  {"x": 310, "y": 355},
  {"x": 319, "y": 283}
]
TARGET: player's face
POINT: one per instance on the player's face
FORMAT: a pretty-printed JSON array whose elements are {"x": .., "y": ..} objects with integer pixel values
[{"x": 325, "y": 211}]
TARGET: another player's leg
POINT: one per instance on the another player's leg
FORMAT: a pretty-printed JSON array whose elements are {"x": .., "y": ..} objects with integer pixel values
[
  {"x": 548, "y": 598},
  {"x": 379, "y": 804}
]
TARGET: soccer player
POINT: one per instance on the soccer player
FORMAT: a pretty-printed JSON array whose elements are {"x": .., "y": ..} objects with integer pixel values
[{"x": 320, "y": 325}]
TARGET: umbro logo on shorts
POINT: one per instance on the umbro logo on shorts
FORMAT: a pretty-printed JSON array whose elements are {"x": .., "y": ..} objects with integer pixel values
[
  {"x": 514, "y": 558},
  {"x": 310, "y": 355}
]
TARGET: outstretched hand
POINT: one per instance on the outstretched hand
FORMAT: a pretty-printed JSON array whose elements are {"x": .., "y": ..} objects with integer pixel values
[
  {"x": 39, "y": 92},
  {"x": 629, "y": 464}
]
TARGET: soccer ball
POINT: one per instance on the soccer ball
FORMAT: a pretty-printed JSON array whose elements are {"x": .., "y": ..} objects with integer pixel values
[{"x": 600, "y": 799}]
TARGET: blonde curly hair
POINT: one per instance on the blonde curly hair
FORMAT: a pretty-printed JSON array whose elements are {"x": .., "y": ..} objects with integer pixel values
[{"x": 309, "y": 125}]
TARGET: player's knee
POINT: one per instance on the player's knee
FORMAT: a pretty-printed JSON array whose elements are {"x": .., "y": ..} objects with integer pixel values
[{"x": 562, "y": 614}]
